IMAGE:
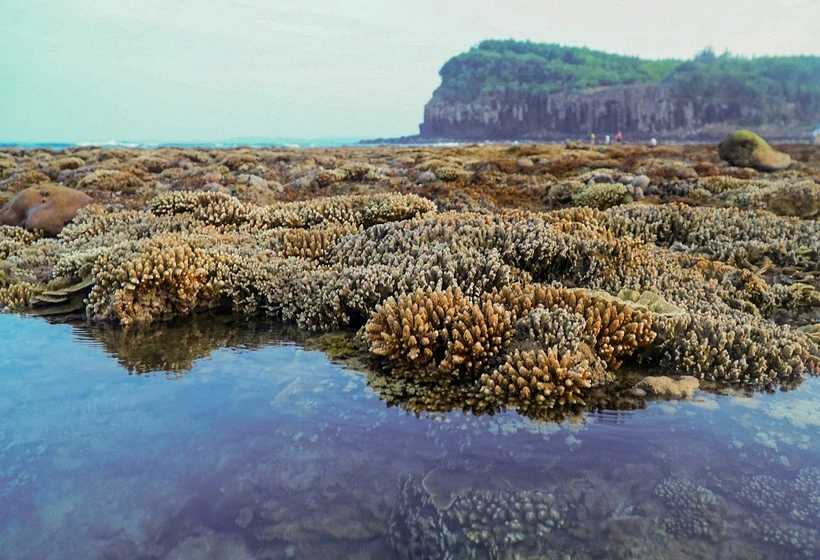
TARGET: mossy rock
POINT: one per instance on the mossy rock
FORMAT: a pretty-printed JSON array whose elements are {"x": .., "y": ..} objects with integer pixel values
[{"x": 744, "y": 148}]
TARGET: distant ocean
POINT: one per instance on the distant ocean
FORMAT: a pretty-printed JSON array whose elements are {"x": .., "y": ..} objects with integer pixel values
[{"x": 254, "y": 142}]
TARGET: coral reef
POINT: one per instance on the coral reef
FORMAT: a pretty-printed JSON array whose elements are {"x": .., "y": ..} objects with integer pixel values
[
  {"x": 788, "y": 513},
  {"x": 110, "y": 180},
  {"x": 517, "y": 276},
  {"x": 474, "y": 523},
  {"x": 693, "y": 511},
  {"x": 443, "y": 330},
  {"x": 600, "y": 195}
]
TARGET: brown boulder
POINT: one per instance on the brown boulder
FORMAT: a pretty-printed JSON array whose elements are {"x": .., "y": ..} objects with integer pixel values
[{"x": 45, "y": 207}]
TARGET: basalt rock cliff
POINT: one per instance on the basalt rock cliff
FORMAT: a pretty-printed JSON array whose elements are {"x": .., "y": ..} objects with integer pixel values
[
  {"x": 638, "y": 111},
  {"x": 506, "y": 90}
]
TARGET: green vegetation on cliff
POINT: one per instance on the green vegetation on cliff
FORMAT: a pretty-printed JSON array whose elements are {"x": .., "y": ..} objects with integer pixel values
[
  {"x": 510, "y": 67},
  {"x": 778, "y": 84},
  {"x": 539, "y": 68}
]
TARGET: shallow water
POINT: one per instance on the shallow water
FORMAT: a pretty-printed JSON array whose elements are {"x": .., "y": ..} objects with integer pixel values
[{"x": 239, "y": 444}]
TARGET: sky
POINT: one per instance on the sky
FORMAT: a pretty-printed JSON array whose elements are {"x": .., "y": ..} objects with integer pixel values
[{"x": 212, "y": 70}]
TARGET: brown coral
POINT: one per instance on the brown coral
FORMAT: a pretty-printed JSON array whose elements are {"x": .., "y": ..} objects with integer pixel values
[
  {"x": 545, "y": 378},
  {"x": 423, "y": 333}
]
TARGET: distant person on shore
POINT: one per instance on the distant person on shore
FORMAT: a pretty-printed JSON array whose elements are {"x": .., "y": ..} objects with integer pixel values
[
  {"x": 619, "y": 138},
  {"x": 592, "y": 138},
  {"x": 653, "y": 142},
  {"x": 606, "y": 139},
  {"x": 815, "y": 135}
]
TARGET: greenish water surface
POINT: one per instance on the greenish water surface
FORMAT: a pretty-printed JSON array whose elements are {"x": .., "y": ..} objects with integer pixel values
[{"x": 222, "y": 438}]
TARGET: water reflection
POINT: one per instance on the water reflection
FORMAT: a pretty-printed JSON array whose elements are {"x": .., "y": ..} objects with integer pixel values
[
  {"x": 265, "y": 450},
  {"x": 172, "y": 347}
]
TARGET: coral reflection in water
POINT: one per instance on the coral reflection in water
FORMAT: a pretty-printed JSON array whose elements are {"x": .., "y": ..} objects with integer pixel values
[{"x": 264, "y": 450}]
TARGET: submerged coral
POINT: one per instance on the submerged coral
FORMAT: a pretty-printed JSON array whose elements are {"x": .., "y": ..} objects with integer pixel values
[
  {"x": 474, "y": 523},
  {"x": 693, "y": 510}
]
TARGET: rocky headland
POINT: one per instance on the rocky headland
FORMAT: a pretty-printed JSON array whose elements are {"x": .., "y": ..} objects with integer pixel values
[{"x": 509, "y": 90}]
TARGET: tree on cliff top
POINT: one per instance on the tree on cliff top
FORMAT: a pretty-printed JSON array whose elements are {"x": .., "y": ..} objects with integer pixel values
[{"x": 495, "y": 66}]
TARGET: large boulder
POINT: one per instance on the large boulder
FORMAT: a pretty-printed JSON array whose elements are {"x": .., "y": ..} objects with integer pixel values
[
  {"x": 45, "y": 207},
  {"x": 744, "y": 148}
]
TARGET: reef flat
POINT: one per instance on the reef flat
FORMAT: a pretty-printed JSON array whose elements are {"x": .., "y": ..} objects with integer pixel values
[{"x": 478, "y": 277}]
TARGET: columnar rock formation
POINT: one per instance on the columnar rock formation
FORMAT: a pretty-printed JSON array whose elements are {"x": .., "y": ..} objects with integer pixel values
[{"x": 639, "y": 111}]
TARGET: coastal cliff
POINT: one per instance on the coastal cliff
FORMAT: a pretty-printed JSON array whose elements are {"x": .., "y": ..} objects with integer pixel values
[
  {"x": 639, "y": 111},
  {"x": 503, "y": 90}
]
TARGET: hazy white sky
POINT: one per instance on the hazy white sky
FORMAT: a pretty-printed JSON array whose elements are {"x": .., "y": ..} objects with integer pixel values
[{"x": 209, "y": 70}]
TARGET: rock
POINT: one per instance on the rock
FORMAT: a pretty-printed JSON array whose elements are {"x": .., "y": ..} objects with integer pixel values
[
  {"x": 625, "y": 179},
  {"x": 245, "y": 517},
  {"x": 443, "y": 487},
  {"x": 640, "y": 181},
  {"x": 663, "y": 112},
  {"x": 687, "y": 173},
  {"x": 426, "y": 177},
  {"x": 652, "y": 189},
  {"x": 251, "y": 180},
  {"x": 347, "y": 522},
  {"x": 602, "y": 178},
  {"x": 525, "y": 163},
  {"x": 638, "y": 193},
  {"x": 45, "y": 207},
  {"x": 216, "y": 187},
  {"x": 667, "y": 387},
  {"x": 744, "y": 148},
  {"x": 631, "y": 190}
]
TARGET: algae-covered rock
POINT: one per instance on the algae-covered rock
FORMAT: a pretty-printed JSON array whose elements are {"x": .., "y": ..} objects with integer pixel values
[
  {"x": 45, "y": 207},
  {"x": 744, "y": 148}
]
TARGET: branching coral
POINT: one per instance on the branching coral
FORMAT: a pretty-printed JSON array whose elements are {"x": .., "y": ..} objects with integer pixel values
[
  {"x": 13, "y": 238},
  {"x": 439, "y": 330},
  {"x": 617, "y": 327},
  {"x": 23, "y": 179},
  {"x": 788, "y": 511},
  {"x": 545, "y": 378},
  {"x": 353, "y": 171},
  {"x": 728, "y": 235},
  {"x": 600, "y": 195},
  {"x": 166, "y": 274},
  {"x": 17, "y": 297}
]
